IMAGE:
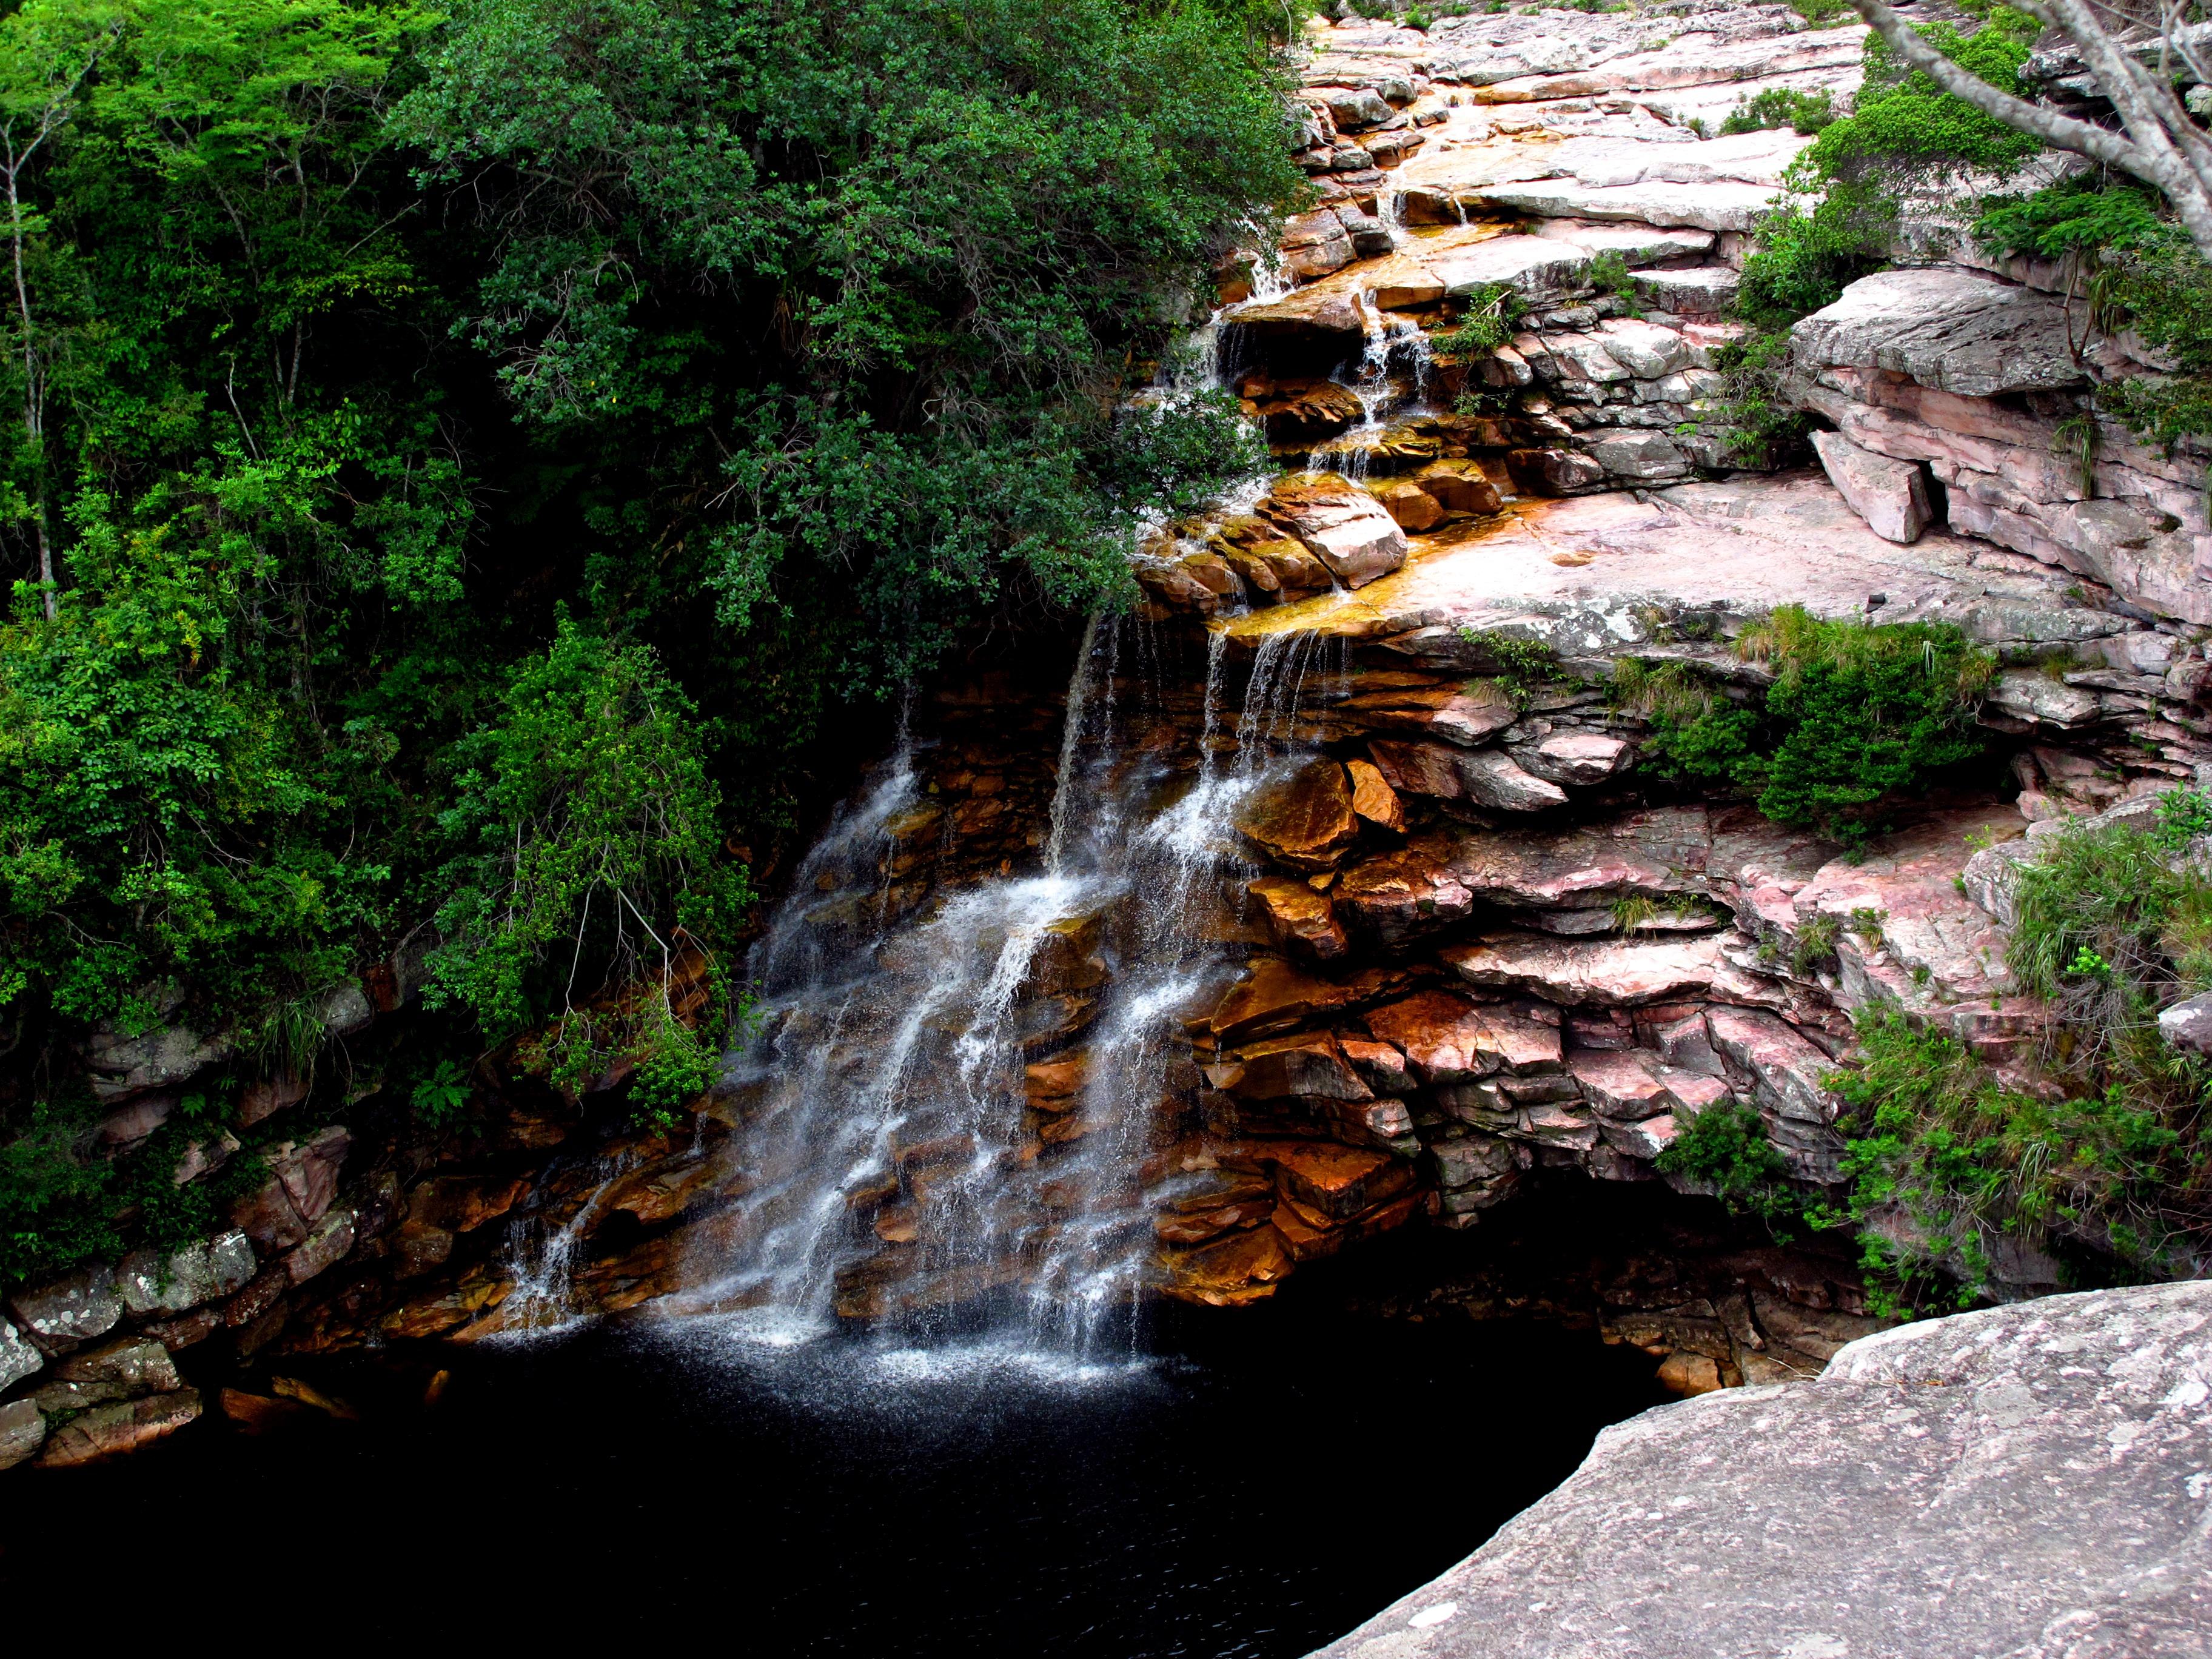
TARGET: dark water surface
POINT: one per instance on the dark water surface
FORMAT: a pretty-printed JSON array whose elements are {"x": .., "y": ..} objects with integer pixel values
[{"x": 1256, "y": 1488}]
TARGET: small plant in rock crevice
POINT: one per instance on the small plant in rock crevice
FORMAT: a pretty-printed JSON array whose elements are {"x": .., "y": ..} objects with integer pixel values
[
  {"x": 1487, "y": 321},
  {"x": 1522, "y": 664}
]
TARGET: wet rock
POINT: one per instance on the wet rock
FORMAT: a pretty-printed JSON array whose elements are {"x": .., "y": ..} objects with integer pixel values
[
  {"x": 1412, "y": 506},
  {"x": 1299, "y": 919},
  {"x": 123, "y": 1426},
  {"x": 1313, "y": 410},
  {"x": 1271, "y": 995},
  {"x": 324, "y": 1248},
  {"x": 2040, "y": 1452},
  {"x": 1241, "y": 1268},
  {"x": 303, "y": 1177},
  {"x": 1891, "y": 496},
  {"x": 151, "y": 1284},
  {"x": 1308, "y": 1064},
  {"x": 22, "y": 1431},
  {"x": 1335, "y": 1181},
  {"x": 1304, "y": 820},
  {"x": 64, "y": 1312},
  {"x": 461, "y": 1203},
  {"x": 1340, "y": 524},
  {"x": 266, "y": 1096},
  {"x": 1381, "y": 1065},
  {"x": 1460, "y": 487}
]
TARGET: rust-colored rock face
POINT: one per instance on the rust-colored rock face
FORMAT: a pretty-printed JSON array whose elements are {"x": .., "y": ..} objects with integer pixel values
[
  {"x": 1306, "y": 819},
  {"x": 1299, "y": 919}
]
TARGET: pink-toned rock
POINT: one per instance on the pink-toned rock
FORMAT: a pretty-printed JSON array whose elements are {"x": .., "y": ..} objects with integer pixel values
[
  {"x": 1340, "y": 524},
  {"x": 1623, "y": 1084},
  {"x": 1297, "y": 918},
  {"x": 1402, "y": 895},
  {"x": 1606, "y": 972},
  {"x": 1906, "y": 933},
  {"x": 1447, "y": 1039},
  {"x": 1306, "y": 819},
  {"x": 267, "y": 1097},
  {"x": 1583, "y": 757},
  {"x": 1643, "y": 1137},
  {"x": 1891, "y": 496}
]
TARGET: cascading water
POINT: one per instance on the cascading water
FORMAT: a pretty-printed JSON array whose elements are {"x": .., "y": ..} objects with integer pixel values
[{"x": 899, "y": 1165}]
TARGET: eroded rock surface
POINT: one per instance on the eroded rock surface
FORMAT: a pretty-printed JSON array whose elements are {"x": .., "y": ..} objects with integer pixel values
[{"x": 2028, "y": 1482}]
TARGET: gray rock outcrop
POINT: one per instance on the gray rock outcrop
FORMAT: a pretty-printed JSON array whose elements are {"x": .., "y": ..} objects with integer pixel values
[{"x": 2030, "y": 1481}]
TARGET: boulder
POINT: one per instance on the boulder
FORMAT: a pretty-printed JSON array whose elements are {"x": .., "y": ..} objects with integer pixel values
[
  {"x": 64, "y": 1312},
  {"x": 1639, "y": 457},
  {"x": 1713, "y": 207},
  {"x": 152, "y": 1284},
  {"x": 1535, "y": 266},
  {"x": 1954, "y": 329},
  {"x": 1340, "y": 524},
  {"x": 1460, "y": 487},
  {"x": 1621, "y": 1084},
  {"x": 1891, "y": 496},
  {"x": 2046, "y": 1454},
  {"x": 2186, "y": 1025},
  {"x": 1304, "y": 819},
  {"x": 18, "y": 1358},
  {"x": 1490, "y": 778},
  {"x": 1581, "y": 757},
  {"x": 1412, "y": 506},
  {"x": 1271, "y": 995}
]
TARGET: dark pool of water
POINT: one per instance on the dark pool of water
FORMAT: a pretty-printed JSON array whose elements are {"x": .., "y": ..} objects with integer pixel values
[{"x": 1258, "y": 1487}]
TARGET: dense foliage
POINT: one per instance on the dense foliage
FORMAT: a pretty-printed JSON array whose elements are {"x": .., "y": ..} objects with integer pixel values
[
  {"x": 1856, "y": 713},
  {"x": 1906, "y": 144},
  {"x": 453, "y": 466}
]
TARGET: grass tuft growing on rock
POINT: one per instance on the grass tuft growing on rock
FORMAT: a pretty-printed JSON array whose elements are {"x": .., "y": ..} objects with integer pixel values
[{"x": 1856, "y": 712}]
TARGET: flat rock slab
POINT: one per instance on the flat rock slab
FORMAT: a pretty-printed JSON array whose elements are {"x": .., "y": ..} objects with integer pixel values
[
  {"x": 2029, "y": 1481},
  {"x": 1747, "y": 544},
  {"x": 1954, "y": 329}
]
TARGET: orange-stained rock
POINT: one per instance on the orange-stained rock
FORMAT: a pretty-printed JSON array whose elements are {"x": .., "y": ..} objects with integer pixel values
[
  {"x": 1198, "y": 1226},
  {"x": 1239, "y": 1268},
  {"x": 1340, "y": 523},
  {"x": 1299, "y": 919},
  {"x": 1379, "y": 1064},
  {"x": 122, "y": 1426},
  {"x": 662, "y": 1192},
  {"x": 1272, "y": 994},
  {"x": 460, "y": 1204},
  {"x": 261, "y": 1413},
  {"x": 1064, "y": 959},
  {"x": 1309, "y": 1063},
  {"x": 1337, "y": 1181},
  {"x": 1460, "y": 486},
  {"x": 1308, "y": 1237},
  {"x": 437, "y": 1313},
  {"x": 1373, "y": 799},
  {"x": 1465, "y": 716},
  {"x": 1304, "y": 820},
  {"x": 1689, "y": 1374},
  {"x": 1445, "y": 1038},
  {"x": 1052, "y": 1085},
  {"x": 1412, "y": 506}
]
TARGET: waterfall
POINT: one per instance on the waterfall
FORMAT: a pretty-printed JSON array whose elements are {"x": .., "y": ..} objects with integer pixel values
[{"x": 902, "y": 1166}]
